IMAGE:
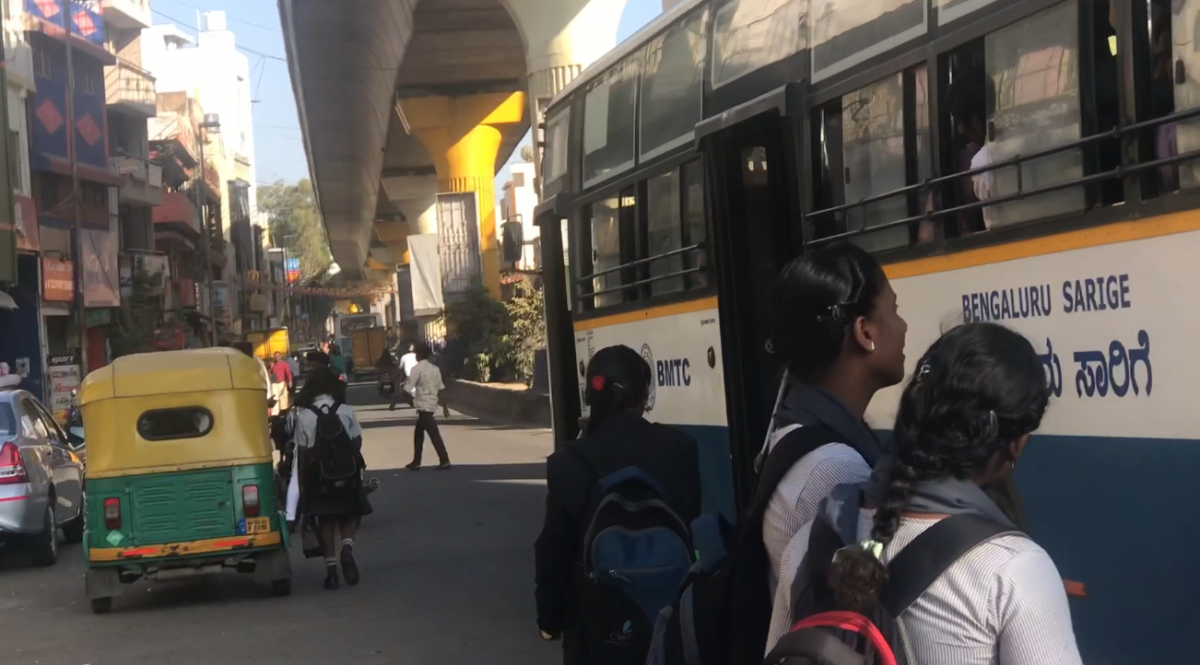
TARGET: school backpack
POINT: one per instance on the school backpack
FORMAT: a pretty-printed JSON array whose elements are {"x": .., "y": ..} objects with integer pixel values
[
  {"x": 826, "y": 635},
  {"x": 333, "y": 450},
  {"x": 636, "y": 554},
  {"x": 723, "y": 615}
]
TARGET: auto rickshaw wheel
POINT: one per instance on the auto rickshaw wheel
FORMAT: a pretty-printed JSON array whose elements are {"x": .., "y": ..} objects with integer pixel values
[
  {"x": 101, "y": 605},
  {"x": 43, "y": 547},
  {"x": 281, "y": 588}
]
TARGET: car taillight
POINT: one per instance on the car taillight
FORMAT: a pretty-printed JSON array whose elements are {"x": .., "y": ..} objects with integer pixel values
[
  {"x": 12, "y": 467},
  {"x": 250, "y": 500},
  {"x": 112, "y": 514}
]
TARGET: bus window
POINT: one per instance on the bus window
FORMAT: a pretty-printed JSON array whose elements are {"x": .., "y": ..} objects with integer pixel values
[
  {"x": 874, "y": 162},
  {"x": 673, "y": 86},
  {"x": 606, "y": 250},
  {"x": 1033, "y": 69},
  {"x": 693, "y": 225},
  {"x": 565, "y": 235},
  {"x": 664, "y": 232},
  {"x": 608, "y": 122},
  {"x": 555, "y": 163},
  {"x": 1161, "y": 102},
  {"x": 966, "y": 100},
  {"x": 847, "y": 32},
  {"x": 750, "y": 34}
]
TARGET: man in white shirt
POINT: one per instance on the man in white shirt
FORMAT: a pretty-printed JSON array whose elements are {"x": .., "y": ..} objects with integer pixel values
[{"x": 424, "y": 383}]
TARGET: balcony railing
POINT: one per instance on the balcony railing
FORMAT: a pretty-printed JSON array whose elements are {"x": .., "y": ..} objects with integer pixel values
[
  {"x": 127, "y": 14},
  {"x": 128, "y": 85},
  {"x": 141, "y": 179}
]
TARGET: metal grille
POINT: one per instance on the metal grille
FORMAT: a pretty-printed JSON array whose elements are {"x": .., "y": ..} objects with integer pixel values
[{"x": 458, "y": 242}]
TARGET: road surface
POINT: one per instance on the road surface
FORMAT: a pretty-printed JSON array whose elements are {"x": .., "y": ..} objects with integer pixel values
[{"x": 447, "y": 576}]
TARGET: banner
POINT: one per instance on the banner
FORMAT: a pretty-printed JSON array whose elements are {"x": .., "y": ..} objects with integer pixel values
[
  {"x": 58, "y": 280},
  {"x": 101, "y": 270},
  {"x": 292, "y": 265},
  {"x": 62, "y": 371}
]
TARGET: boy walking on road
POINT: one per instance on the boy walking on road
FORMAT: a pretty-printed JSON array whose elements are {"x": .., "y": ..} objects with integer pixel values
[{"x": 424, "y": 383}]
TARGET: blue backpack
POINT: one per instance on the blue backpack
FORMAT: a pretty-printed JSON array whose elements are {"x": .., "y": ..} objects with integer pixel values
[{"x": 636, "y": 555}]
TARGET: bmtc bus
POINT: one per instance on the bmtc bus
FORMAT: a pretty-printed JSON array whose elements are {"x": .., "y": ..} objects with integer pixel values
[{"x": 1030, "y": 162}]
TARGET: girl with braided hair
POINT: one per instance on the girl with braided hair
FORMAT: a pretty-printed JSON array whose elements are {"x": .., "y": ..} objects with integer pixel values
[{"x": 963, "y": 421}]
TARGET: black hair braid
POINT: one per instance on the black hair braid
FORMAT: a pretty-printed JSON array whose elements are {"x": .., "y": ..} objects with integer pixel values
[
  {"x": 617, "y": 379},
  {"x": 977, "y": 389}
]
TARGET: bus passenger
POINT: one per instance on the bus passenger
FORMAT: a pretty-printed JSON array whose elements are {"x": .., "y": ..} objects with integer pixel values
[
  {"x": 838, "y": 328},
  {"x": 963, "y": 421},
  {"x": 616, "y": 436}
]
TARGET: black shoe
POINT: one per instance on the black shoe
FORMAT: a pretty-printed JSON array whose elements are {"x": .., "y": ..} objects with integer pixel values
[
  {"x": 349, "y": 568},
  {"x": 444, "y": 466},
  {"x": 391, "y": 407},
  {"x": 415, "y": 466},
  {"x": 331, "y": 578}
]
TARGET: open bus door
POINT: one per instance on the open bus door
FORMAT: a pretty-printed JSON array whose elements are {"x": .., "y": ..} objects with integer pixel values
[
  {"x": 752, "y": 158},
  {"x": 565, "y": 404}
]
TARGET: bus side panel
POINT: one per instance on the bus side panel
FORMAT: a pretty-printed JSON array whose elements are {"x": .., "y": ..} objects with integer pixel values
[
  {"x": 1109, "y": 480},
  {"x": 687, "y": 388}
]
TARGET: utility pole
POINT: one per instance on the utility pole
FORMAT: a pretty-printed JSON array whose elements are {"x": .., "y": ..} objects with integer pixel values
[
  {"x": 76, "y": 199},
  {"x": 210, "y": 120}
]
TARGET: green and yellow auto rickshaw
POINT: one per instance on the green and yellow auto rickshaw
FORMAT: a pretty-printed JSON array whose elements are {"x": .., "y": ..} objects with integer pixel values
[{"x": 180, "y": 479}]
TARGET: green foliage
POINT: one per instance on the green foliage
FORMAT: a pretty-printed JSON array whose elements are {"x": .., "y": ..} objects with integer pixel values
[
  {"x": 296, "y": 224},
  {"x": 132, "y": 327},
  {"x": 493, "y": 341}
]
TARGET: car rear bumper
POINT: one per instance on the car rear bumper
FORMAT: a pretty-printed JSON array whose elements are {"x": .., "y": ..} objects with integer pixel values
[{"x": 21, "y": 510}]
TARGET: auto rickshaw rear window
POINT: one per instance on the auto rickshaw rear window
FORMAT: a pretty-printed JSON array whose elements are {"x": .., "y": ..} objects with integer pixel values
[{"x": 190, "y": 422}]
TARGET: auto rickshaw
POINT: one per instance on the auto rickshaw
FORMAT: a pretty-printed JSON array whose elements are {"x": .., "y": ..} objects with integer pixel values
[{"x": 180, "y": 476}]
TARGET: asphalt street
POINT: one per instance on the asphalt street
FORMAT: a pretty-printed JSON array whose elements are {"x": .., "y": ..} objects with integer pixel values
[{"x": 447, "y": 575}]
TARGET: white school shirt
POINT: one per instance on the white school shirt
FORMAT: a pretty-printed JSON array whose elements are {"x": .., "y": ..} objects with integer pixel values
[
  {"x": 1002, "y": 603},
  {"x": 305, "y": 433},
  {"x": 424, "y": 383},
  {"x": 407, "y": 362}
]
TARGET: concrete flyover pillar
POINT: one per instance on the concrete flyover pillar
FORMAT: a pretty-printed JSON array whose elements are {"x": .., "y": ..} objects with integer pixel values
[
  {"x": 561, "y": 38},
  {"x": 463, "y": 136}
]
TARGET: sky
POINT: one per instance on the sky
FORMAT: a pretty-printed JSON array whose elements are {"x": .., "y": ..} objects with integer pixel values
[{"x": 278, "y": 146}]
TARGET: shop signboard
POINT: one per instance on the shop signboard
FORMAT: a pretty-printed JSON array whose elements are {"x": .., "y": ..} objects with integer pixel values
[
  {"x": 64, "y": 375},
  {"x": 58, "y": 280}
]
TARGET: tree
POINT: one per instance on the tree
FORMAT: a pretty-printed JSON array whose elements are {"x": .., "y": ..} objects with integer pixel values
[{"x": 295, "y": 224}]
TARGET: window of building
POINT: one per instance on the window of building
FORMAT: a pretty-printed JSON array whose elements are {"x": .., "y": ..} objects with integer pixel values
[
  {"x": 41, "y": 61},
  {"x": 180, "y": 423},
  {"x": 518, "y": 179},
  {"x": 673, "y": 86},
  {"x": 610, "y": 110},
  {"x": 48, "y": 192}
]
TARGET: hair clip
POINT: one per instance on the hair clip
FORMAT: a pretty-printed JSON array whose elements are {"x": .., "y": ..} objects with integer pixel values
[
  {"x": 598, "y": 382},
  {"x": 872, "y": 547},
  {"x": 836, "y": 315},
  {"x": 922, "y": 371}
]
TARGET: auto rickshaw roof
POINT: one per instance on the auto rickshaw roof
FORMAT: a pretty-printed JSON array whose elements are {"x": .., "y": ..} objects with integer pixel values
[{"x": 164, "y": 372}]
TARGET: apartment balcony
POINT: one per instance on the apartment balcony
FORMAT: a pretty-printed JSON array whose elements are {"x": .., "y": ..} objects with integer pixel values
[
  {"x": 141, "y": 180},
  {"x": 177, "y": 214},
  {"x": 130, "y": 88},
  {"x": 127, "y": 14}
]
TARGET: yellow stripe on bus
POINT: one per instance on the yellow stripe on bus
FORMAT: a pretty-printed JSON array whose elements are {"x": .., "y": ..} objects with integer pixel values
[
  {"x": 1109, "y": 234},
  {"x": 647, "y": 314}
]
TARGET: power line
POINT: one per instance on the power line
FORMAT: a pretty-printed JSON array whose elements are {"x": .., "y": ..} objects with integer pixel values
[
  {"x": 231, "y": 20},
  {"x": 240, "y": 48}
]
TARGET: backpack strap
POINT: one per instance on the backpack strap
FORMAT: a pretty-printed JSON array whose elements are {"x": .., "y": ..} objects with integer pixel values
[
  {"x": 790, "y": 449},
  {"x": 929, "y": 555}
]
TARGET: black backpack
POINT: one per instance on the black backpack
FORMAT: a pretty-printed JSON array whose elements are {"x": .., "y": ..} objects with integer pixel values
[
  {"x": 723, "y": 615},
  {"x": 333, "y": 450},
  {"x": 825, "y": 635},
  {"x": 636, "y": 554}
]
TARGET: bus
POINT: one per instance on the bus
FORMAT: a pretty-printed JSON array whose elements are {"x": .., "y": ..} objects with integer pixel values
[{"x": 1030, "y": 162}]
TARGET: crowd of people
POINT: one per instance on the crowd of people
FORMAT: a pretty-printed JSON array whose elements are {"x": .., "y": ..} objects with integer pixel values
[{"x": 824, "y": 541}]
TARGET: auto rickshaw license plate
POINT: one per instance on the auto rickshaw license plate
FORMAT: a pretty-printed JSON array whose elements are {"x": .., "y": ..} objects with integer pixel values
[{"x": 256, "y": 525}]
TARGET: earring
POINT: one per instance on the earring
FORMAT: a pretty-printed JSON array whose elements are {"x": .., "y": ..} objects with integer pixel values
[{"x": 872, "y": 346}]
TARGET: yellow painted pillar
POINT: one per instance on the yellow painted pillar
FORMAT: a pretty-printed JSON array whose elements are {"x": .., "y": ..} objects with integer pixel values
[{"x": 463, "y": 135}]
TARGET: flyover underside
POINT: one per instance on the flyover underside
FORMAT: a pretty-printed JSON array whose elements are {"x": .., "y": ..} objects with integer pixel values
[{"x": 351, "y": 63}]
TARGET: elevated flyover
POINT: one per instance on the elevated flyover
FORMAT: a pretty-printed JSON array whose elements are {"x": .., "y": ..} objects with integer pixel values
[{"x": 400, "y": 100}]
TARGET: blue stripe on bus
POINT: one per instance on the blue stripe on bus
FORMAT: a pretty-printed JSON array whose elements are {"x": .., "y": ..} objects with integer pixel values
[
  {"x": 716, "y": 472},
  {"x": 1120, "y": 516}
]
